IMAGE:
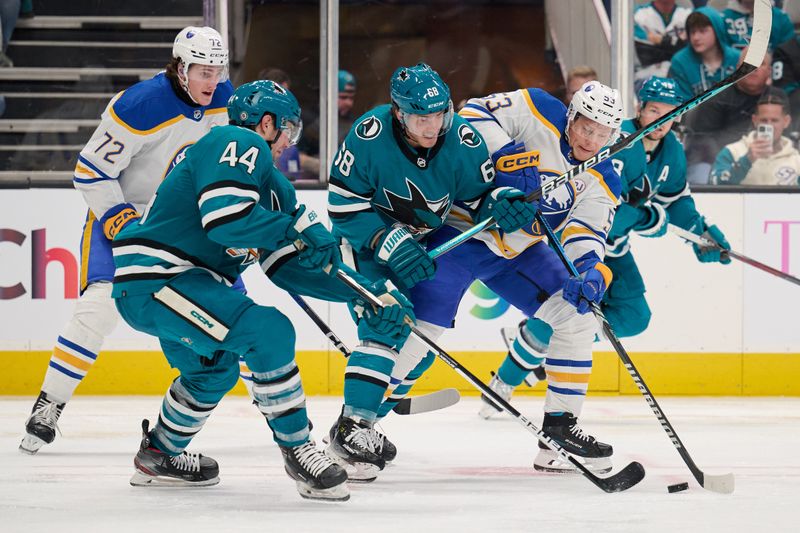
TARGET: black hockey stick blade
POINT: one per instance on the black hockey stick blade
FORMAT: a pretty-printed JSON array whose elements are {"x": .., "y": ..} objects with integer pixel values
[{"x": 427, "y": 402}]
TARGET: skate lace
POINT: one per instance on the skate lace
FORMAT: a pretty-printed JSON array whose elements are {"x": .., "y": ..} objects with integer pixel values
[
  {"x": 376, "y": 439},
  {"x": 47, "y": 414},
  {"x": 362, "y": 438},
  {"x": 314, "y": 461},
  {"x": 579, "y": 434},
  {"x": 186, "y": 461}
]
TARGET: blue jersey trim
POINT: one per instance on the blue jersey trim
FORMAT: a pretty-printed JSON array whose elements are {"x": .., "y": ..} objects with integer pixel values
[{"x": 103, "y": 175}]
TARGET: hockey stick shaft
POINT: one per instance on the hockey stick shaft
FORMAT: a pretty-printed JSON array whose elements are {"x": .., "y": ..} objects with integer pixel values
[
  {"x": 626, "y": 478},
  {"x": 424, "y": 403},
  {"x": 759, "y": 40},
  {"x": 702, "y": 241},
  {"x": 717, "y": 483}
]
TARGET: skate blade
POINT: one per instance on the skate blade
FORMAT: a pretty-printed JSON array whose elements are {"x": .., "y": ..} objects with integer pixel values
[
  {"x": 550, "y": 461},
  {"x": 140, "y": 479},
  {"x": 356, "y": 472},
  {"x": 31, "y": 444},
  {"x": 339, "y": 493}
]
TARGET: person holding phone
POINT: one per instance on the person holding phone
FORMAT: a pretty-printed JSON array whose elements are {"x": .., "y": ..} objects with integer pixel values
[{"x": 763, "y": 156}]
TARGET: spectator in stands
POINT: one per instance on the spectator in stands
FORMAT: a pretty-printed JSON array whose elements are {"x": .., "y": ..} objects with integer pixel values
[
  {"x": 707, "y": 59},
  {"x": 786, "y": 72},
  {"x": 9, "y": 11},
  {"x": 26, "y": 11},
  {"x": 659, "y": 32},
  {"x": 763, "y": 156},
  {"x": 738, "y": 17},
  {"x": 576, "y": 77},
  {"x": 722, "y": 120}
]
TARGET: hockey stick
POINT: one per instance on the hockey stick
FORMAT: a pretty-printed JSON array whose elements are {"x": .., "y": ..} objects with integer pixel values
[
  {"x": 702, "y": 241},
  {"x": 622, "y": 480},
  {"x": 759, "y": 40},
  {"x": 721, "y": 483},
  {"x": 407, "y": 406}
]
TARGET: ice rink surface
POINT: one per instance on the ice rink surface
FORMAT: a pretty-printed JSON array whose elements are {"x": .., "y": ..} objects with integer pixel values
[{"x": 454, "y": 472}]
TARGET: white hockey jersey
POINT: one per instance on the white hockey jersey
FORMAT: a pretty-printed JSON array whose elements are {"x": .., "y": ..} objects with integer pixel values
[
  {"x": 143, "y": 133},
  {"x": 582, "y": 210}
]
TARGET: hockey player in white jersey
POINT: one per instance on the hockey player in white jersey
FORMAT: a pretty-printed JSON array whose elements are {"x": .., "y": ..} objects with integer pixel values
[
  {"x": 143, "y": 133},
  {"x": 533, "y": 137}
]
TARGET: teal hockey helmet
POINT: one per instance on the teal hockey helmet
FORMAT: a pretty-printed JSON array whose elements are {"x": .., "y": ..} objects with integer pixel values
[
  {"x": 419, "y": 90},
  {"x": 347, "y": 82},
  {"x": 658, "y": 89},
  {"x": 251, "y": 101}
]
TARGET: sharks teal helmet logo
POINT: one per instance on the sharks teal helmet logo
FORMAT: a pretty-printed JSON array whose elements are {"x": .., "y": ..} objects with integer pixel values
[
  {"x": 415, "y": 211},
  {"x": 467, "y": 136},
  {"x": 369, "y": 128}
]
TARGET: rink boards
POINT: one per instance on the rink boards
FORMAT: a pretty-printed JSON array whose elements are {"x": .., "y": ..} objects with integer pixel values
[{"x": 716, "y": 330}]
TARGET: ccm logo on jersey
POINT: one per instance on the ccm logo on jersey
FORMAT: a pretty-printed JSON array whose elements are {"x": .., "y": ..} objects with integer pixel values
[{"x": 510, "y": 163}]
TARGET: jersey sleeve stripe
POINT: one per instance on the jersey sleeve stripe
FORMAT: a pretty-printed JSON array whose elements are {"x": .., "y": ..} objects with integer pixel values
[
  {"x": 87, "y": 170},
  {"x": 227, "y": 183},
  {"x": 150, "y": 131},
  {"x": 332, "y": 180},
  {"x": 538, "y": 115},
  {"x": 667, "y": 199},
  {"x": 345, "y": 193},
  {"x": 150, "y": 247},
  {"x": 226, "y": 214},
  {"x": 350, "y": 208},
  {"x": 227, "y": 191}
]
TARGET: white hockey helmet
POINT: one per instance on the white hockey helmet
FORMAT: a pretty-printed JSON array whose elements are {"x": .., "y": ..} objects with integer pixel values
[
  {"x": 598, "y": 103},
  {"x": 200, "y": 46}
]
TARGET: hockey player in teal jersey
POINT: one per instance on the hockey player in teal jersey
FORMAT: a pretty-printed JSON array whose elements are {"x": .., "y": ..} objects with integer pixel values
[
  {"x": 218, "y": 211},
  {"x": 654, "y": 193},
  {"x": 395, "y": 178}
]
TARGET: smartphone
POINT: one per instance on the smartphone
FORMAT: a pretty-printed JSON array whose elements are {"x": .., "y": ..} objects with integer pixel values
[{"x": 765, "y": 131}]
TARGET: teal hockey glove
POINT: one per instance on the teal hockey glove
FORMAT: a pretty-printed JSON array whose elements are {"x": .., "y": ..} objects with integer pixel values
[
  {"x": 317, "y": 247},
  {"x": 388, "y": 325},
  {"x": 404, "y": 256},
  {"x": 591, "y": 286},
  {"x": 709, "y": 254},
  {"x": 653, "y": 221},
  {"x": 509, "y": 209}
]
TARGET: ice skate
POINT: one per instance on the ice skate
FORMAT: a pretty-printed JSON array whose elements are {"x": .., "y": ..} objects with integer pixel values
[
  {"x": 156, "y": 468},
  {"x": 352, "y": 445},
  {"x": 317, "y": 476},
  {"x": 40, "y": 428},
  {"x": 563, "y": 428},
  {"x": 383, "y": 446},
  {"x": 489, "y": 409}
]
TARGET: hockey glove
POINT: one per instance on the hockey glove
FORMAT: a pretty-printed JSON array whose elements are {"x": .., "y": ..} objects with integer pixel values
[
  {"x": 117, "y": 218},
  {"x": 404, "y": 256},
  {"x": 317, "y": 247},
  {"x": 711, "y": 254},
  {"x": 591, "y": 286},
  {"x": 509, "y": 209},
  {"x": 653, "y": 221},
  {"x": 388, "y": 325},
  {"x": 517, "y": 168}
]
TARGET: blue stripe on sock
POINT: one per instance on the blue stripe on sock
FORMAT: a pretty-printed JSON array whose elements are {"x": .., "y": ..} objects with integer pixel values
[
  {"x": 569, "y": 362},
  {"x": 568, "y": 392},
  {"x": 79, "y": 349},
  {"x": 65, "y": 371}
]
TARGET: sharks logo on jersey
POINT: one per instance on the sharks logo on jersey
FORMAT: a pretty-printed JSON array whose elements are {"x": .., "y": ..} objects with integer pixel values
[
  {"x": 249, "y": 255},
  {"x": 467, "y": 136},
  {"x": 369, "y": 128},
  {"x": 415, "y": 211}
]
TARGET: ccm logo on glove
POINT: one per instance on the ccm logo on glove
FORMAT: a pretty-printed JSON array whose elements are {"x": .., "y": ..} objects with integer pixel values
[{"x": 512, "y": 162}]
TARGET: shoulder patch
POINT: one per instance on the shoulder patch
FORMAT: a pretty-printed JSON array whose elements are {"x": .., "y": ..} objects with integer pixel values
[
  {"x": 468, "y": 136},
  {"x": 369, "y": 128}
]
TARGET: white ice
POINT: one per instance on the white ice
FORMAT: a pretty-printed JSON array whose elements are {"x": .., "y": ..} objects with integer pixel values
[{"x": 454, "y": 472}]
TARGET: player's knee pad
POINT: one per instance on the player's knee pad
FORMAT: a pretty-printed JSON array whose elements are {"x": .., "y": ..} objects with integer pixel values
[
  {"x": 268, "y": 336},
  {"x": 535, "y": 334},
  {"x": 414, "y": 351},
  {"x": 95, "y": 315}
]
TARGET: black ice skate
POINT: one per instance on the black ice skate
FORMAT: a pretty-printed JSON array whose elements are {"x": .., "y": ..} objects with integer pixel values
[
  {"x": 563, "y": 428},
  {"x": 154, "y": 467},
  {"x": 318, "y": 477},
  {"x": 383, "y": 446},
  {"x": 40, "y": 428},
  {"x": 352, "y": 445}
]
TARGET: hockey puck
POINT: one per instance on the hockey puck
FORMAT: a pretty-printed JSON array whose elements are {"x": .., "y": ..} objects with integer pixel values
[{"x": 678, "y": 487}]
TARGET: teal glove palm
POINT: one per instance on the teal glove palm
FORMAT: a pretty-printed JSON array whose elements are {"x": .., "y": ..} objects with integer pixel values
[
  {"x": 387, "y": 325},
  {"x": 654, "y": 221},
  {"x": 508, "y": 208},
  {"x": 317, "y": 247},
  {"x": 404, "y": 256},
  {"x": 711, "y": 254}
]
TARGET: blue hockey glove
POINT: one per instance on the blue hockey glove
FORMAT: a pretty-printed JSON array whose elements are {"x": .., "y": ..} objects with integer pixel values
[
  {"x": 117, "y": 218},
  {"x": 404, "y": 256},
  {"x": 517, "y": 168},
  {"x": 709, "y": 254},
  {"x": 655, "y": 221},
  {"x": 388, "y": 325},
  {"x": 591, "y": 286},
  {"x": 509, "y": 209},
  {"x": 317, "y": 247}
]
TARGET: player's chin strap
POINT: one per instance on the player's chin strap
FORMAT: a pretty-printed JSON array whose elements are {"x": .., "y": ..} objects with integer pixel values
[
  {"x": 759, "y": 40},
  {"x": 702, "y": 241},
  {"x": 720, "y": 483}
]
